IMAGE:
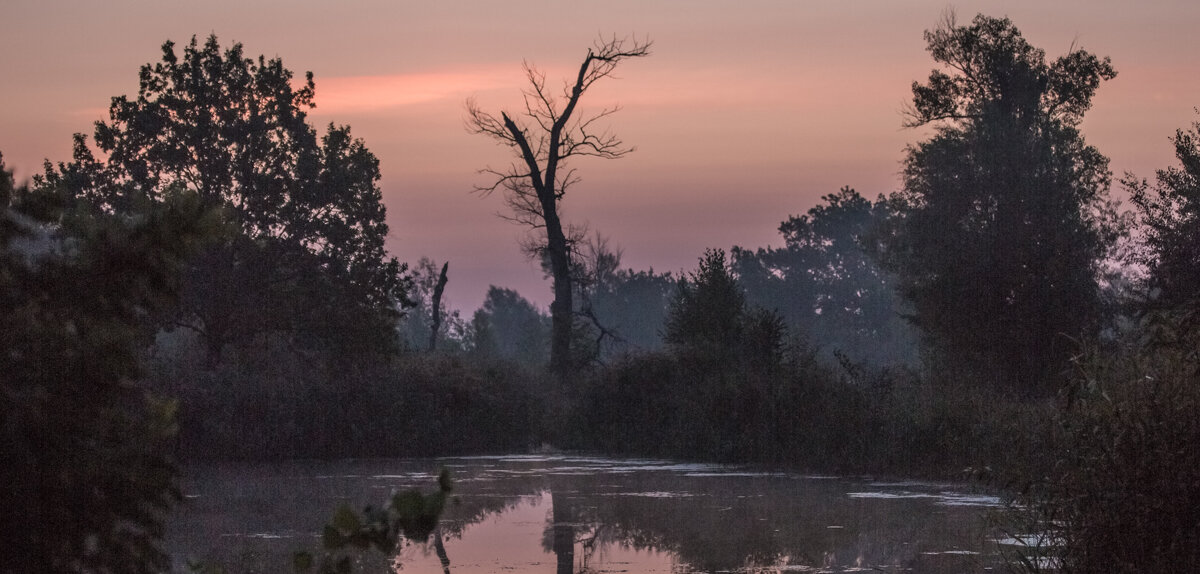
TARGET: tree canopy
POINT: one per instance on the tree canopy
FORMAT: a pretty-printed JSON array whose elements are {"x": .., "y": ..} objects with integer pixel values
[
  {"x": 824, "y": 281},
  {"x": 307, "y": 211},
  {"x": 709, "y": 320},
  {"x": 1004, "y": 215},
  {"x": 508, "y": 326},
  {"x": 1169, "y": 214},
  {"x": 88, "y": 476}
]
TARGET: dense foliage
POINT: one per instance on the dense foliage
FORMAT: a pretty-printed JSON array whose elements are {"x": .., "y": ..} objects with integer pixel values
[
  {"x": 1170, "y": 222},
  {"x": 275, "y": 406},
  {"x": 825, "y": 283},
  {"x": 509, "y": 327},
  {"x": 88, "y": 477},
  {"x": 1004, "y": 216},
  {"x": 305, "y": 259},
  {"x": 1121, "y": 492}
]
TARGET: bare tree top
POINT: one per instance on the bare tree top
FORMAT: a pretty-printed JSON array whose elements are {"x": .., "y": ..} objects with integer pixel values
[{"x": 548, "y": 130}]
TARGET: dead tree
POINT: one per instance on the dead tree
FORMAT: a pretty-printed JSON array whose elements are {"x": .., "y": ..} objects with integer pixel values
[
  {"x": 543, "y": 136},
  {"x": 436, "y": 308}
]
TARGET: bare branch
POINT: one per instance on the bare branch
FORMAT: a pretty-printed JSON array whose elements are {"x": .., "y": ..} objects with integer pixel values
[
  {"x": 481, "y": 122},
  {"x": 607, "y": 53},
  {"x": 565, "y": 181},
  {"x": 502, "y": 180},
  {"x": 539, "y": 105},
  {"x": 534, "y": 183}
]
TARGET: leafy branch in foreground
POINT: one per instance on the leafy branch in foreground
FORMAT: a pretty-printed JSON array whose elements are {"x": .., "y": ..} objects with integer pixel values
[{"x": 409, "y": 514}]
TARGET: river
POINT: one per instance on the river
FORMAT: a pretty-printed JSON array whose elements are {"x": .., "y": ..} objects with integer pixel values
[{"x": 561, "y": 513}]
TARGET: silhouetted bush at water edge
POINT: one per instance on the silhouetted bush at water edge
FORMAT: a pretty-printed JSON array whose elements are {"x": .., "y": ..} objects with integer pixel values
[
  {"x": 800, "y": 413},
  {"x": 805, "y": 415},
  {"x": 284, "y": 406},
  {"x": 1120, "y": 491}
]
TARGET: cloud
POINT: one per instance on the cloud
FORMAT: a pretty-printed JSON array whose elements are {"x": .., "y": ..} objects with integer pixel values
[{"x": 375, "y": 93}]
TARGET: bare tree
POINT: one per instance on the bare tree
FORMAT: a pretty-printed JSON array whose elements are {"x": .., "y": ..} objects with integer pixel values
[
  {"x": 543, "y": 136},
  {"x": 435, "y": 309}
]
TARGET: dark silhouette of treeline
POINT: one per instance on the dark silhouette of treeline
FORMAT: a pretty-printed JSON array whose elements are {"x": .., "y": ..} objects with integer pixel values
[{"x": 212, "y": 284}]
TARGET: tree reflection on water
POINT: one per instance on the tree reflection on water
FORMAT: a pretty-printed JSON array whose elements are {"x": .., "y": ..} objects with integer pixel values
[{"x": 580, "y": 515}]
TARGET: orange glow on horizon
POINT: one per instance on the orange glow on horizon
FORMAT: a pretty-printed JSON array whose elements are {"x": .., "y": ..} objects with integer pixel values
[
  {"x": 358, "y": 94},
  {"x": 742, "y": 114}
]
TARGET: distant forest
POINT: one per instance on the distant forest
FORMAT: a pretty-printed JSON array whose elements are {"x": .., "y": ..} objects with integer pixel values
[{"x": 206, "y": 279}]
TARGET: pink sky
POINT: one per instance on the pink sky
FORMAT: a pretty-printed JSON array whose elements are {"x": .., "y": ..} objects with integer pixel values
[{"x": 744, "y": 114}]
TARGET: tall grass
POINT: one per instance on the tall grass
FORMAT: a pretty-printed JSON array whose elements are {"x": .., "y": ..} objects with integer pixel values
[
  {"x": 1122, "y": 490},
  {"x": 802, "y": 414},
  {"x": 278, "y": 404}
]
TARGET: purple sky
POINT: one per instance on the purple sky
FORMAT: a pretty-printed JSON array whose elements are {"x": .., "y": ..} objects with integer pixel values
[{"x": 744, "y": 114}]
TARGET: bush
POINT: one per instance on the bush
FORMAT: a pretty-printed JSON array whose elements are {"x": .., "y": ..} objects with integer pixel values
[
  {"x": 1123, "y": 494},
  {"x": 87, "y": 472},
  {"x": 279, "y": 404}
]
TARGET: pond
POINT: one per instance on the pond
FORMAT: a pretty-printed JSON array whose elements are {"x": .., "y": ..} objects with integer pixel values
[{"x": 581, "y": 514}]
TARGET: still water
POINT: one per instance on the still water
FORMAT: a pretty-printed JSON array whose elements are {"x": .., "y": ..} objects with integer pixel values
[{"x": 575, "y": 514}]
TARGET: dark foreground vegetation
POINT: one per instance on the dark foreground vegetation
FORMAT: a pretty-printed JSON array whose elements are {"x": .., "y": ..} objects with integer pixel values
[{"x": 214, "y": 286}]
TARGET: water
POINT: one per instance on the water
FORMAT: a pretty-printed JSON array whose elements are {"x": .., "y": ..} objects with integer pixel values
[{"x": 575, "y": 514}]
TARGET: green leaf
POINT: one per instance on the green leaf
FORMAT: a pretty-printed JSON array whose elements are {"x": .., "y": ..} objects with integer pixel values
[
  {"x": 346, "y": 520},
  {"x": 332, "y": 539},
  {"x": 302, "y": 562}
]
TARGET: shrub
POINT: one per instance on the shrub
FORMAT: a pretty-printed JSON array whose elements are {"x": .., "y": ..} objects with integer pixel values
[{"x": 1123, "y": 494}]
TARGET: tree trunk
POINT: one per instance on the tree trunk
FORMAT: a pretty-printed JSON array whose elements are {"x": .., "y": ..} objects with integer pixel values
[
  {"x": 436, "y": 311},
  {"x": 438, "y": 546},
  {"x": 561, "y": 308},
  {"x": 564, "y": 535}
]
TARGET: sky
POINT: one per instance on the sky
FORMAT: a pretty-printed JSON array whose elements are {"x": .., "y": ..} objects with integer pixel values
[{"x": 744, "y": 114}]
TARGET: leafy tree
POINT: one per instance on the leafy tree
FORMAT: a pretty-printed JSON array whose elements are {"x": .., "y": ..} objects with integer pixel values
[
  {"x": 710, "y": 319},
  {"x": 708, "y": 306},
  {"x": 1004, "y": 213},
  {"x": 633, "y": 305},
  {"x": 1119, "y": 489},
  {"x": 508, "y": 326},
  {"x": 1170, "y": 221},
  {"x": 824, "y": 282},
  {"x": 87, "y": 473},
  {"x": 308, "y": 251},
  {"x": 550, "y": 134}
]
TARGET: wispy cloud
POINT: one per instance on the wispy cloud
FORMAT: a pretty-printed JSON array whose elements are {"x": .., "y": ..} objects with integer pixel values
[{"x": 374, "y": 93}]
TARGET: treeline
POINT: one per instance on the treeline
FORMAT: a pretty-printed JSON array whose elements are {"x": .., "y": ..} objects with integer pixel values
[
  {"x": 1001, "y": 316},
  {"x": 206, "y": 279}
]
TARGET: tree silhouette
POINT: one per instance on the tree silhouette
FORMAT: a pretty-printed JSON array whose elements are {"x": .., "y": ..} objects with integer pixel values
[
  {"x": 1004, "y": 215},
  {"x": 547, "y": 133},
  {"x": 508, "y": 326},
  {"x": 824, "y": 282},
  {"x": 708, "y": 309},
  {"x": 88, "y": 474},
  {"x": 435, "y": 307},
  {"x": 307, "y": 250},
  {"x": 1170, "y": 219}
]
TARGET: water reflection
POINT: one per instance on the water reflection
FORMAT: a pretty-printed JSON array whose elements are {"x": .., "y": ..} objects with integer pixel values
[{"x": 574, "y": 515}]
